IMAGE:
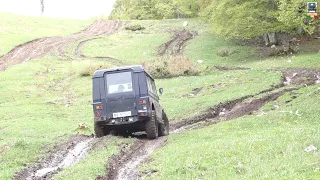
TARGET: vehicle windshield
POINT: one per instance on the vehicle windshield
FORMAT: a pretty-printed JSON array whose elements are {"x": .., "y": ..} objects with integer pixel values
[{"x": 119, "y": 82}]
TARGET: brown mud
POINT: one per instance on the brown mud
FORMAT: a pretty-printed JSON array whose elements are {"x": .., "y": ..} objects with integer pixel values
[
  {"x": 177, "y": 43},
  {"x": 42, "y": 46},
  {"x": 125, "y": 165},
  {"x": 64, "y": 155},
  {"x": 301, "y": 76}
]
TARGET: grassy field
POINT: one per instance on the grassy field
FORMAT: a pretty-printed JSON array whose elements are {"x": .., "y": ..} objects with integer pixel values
[
  {"x": 243, "y": 56},
  {"x": 252, "y": 147},
  {"x": 180, "y": 101},
  {"x": 43, "y": 101},
  {"x": 17, "y": 29}
]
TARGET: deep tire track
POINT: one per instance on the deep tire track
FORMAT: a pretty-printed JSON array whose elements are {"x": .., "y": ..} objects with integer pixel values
[
  {"x": 65, "y": 155},
  {"x": 79, "y": 53},
  {"x": 42, "y": 46},
  {"x": 177, "y": 43}
]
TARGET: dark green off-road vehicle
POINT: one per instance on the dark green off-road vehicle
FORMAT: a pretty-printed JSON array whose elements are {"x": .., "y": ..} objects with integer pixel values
[{"x": 125, "y": 99}]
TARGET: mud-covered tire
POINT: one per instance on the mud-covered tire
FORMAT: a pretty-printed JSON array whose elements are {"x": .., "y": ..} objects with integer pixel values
[
  {"x": 164, "y": 128},
  {"x": 152, "y": 126},
  {"x": 100, "y": 130}
]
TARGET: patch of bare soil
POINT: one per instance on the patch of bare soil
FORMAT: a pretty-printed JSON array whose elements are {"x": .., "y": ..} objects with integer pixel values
[
  {"x": 177, "y": 43},
  {"x": 227, "y": 111},
  {"x": 301, "y": 76},
  {"x": 63, "y": 156},
  {"x": 40, "y": 47}
]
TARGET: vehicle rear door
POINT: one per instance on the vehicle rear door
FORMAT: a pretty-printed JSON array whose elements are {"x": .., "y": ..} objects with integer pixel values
[{"x": 120, "y": 94}]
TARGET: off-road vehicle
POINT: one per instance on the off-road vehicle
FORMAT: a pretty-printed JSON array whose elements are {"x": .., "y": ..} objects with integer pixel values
[{"x": 125, "y": 99}]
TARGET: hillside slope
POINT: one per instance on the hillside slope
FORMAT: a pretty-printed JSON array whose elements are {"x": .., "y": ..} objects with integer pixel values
[{"x": 46, "y": 100}]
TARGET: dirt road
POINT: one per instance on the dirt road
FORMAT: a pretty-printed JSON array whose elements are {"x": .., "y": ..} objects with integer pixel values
[{"x": 40, "y": 47}]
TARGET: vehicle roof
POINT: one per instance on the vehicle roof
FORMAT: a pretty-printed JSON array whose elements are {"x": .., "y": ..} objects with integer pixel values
[{"x": 135, "y": 68}]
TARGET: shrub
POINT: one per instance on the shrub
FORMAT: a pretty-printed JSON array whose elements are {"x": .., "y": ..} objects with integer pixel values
[
  {"x": 225, "y": 52},
  {"x": 136, "y": 27},
  {"x": 171, "y": 66}
]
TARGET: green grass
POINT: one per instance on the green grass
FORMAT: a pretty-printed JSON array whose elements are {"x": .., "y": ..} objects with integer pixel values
[
  {"x": 126, "y": 46},
  {"x": 229, "y": 85},
  {"x": 208, "y": 44},
  {"x": 252, "y": 147},
  {"x": 205, "y": 46},
  {"x": 17, "y": 29},
  {"x": 33, "y": 109},
  {"x": 137, "y": 47},
  {"x": 34, "y": 113}
]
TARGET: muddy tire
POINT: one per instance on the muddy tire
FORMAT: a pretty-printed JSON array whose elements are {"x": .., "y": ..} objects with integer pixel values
[
  {"x": 164, "y": 128},
  {"x": 152, "y": 126},
  {"x": 100, "y": 130}
]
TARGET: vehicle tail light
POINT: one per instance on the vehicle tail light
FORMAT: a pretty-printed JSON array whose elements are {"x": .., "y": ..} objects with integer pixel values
[
  {"x": 142, "y": 101},
  {"x": 99, "y": 107}
]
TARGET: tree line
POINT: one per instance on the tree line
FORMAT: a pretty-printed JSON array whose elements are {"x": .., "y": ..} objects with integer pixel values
[{"x": 229, "y": 18}]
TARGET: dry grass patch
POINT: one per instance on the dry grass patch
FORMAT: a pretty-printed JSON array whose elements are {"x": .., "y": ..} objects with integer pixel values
[{"x": 171, "y": 66}]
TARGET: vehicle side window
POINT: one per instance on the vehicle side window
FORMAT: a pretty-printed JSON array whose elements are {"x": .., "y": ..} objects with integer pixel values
[
  {"x": 151, "y": 86},
  {"x": 154, "y": 88}
]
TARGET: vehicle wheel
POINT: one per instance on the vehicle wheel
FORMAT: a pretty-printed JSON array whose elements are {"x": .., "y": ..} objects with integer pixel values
[
  {"x": 152, "y": 126},
  {"x": 164, "y": 128},
  {"x": 100, "y": 130}
]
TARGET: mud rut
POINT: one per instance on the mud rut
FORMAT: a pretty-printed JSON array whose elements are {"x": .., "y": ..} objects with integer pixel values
[
  {"x": 125, "y": 164},
  {"x": 177, "y": 43}
]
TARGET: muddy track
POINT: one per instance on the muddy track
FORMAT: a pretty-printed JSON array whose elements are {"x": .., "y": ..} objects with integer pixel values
[
  {"x": 63, "y": 156},
  {"x": 40, "y": 47},
  {"x": 177, "y": 43},
  {"x": 125, "y": 165},
  {"x": 79, "y": 53}
]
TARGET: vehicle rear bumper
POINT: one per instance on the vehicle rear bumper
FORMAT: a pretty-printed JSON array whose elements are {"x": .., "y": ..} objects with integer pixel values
[{"x": 120, "y": 121}]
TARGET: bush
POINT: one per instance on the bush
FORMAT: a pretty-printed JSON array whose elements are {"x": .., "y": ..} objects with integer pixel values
[
  {"x": 225, "y": 52},
  {"x": 135, "y": 27},
  {"x": 171, "y": 66}
]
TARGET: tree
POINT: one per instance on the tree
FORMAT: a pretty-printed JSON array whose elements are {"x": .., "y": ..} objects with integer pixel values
[{"x": 253, "y": 18}]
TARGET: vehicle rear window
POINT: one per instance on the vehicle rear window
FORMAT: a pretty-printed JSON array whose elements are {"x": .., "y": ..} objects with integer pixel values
[{"x": 119, "y": 82}]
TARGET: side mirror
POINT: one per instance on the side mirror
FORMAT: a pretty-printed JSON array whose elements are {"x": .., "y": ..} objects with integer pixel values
[{"x": 161, "y": 91}]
